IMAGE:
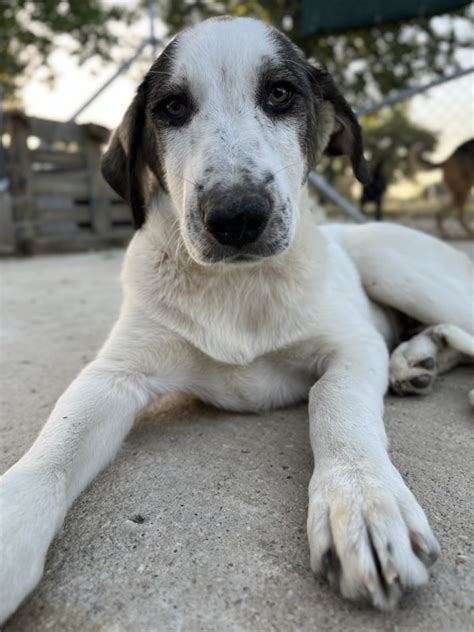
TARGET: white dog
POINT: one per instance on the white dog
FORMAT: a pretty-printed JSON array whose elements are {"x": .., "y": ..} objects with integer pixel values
[{"x": 234, "y": 294}]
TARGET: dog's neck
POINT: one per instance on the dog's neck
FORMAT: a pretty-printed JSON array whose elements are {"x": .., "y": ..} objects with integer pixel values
[{"x": 231, "y": 312}]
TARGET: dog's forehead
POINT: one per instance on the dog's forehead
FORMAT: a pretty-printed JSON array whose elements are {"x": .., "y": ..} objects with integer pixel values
[{"x": 221, "y": 49}]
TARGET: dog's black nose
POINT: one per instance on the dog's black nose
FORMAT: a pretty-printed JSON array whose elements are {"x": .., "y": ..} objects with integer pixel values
[{"x": 235, "y": 218}]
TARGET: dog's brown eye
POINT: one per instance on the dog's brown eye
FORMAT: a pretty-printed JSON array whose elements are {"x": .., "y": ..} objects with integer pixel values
[
  {"x": 280, "y": 94},
  {"x": 176, "y": 108}
]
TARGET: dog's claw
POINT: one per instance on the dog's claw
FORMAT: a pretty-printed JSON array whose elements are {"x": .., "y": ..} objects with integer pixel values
[
  {"x": 370, "y": 582},
  {"x": 390, "y": 573},
  {"x": 422, "y": 550}
]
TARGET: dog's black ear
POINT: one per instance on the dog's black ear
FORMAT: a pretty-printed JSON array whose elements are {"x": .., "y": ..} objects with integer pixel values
[
  {"x": 130, "y": 157},
  {"x": 339, "y": 129}
]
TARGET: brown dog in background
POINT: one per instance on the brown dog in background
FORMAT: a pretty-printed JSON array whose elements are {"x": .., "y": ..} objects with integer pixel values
[{"x": 458, "y": 176}]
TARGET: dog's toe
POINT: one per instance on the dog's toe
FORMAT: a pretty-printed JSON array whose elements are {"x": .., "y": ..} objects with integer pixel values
[
  {"x": 428, "y": 363},
  {"x": 411, "y": 374},
  {"x": 421, "y": 382},
  {"x": 372, "y": 542}
]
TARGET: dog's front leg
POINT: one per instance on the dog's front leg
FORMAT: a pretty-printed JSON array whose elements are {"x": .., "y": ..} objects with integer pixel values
[
  {"x": 81, "y": 436},
  {"x": 366, "y": 531}
]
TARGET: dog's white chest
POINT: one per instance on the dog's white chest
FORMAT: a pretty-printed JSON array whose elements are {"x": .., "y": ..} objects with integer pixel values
[
  {"x": 235, "y": 314},
  {"x": 240, "y": 319},
  {"x": 233, "y": 344}
]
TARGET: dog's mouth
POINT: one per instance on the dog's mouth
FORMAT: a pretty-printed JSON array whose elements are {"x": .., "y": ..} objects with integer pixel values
[
  {"x": 213, "y": 254},
  {"x": 241, "y": 258}
]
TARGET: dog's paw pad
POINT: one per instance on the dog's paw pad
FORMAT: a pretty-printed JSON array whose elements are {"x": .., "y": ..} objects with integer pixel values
[
  {"x": 418, "y": 385},
  {"x": 428, "y": 363},
  {"x": 415, "y": 378},
  {"x": 420, "y": 382}
]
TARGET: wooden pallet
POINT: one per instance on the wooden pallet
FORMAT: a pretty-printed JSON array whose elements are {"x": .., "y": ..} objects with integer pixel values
[{"x": 57, "y": 197}]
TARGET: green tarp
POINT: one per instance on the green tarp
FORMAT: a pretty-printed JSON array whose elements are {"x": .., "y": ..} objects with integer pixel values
[{"x": 320, "y": 17}]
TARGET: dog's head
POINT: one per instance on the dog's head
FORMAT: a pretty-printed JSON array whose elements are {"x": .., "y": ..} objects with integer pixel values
[{"x": 228, "y": 121}]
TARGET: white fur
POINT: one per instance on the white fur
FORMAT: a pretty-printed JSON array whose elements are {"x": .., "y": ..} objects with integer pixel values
[{"x": 249, "y": 337}]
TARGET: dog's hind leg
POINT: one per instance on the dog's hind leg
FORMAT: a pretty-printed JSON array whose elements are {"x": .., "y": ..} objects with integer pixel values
[
  {"x": 440, "y": 218},
  {"x": 459, "y": 182},
  {"x": 414, "y": 364},
  {"x": 414, "y": 273},
  {"x": 423, "y": 278},
  {"x": 462, "y": 219}
]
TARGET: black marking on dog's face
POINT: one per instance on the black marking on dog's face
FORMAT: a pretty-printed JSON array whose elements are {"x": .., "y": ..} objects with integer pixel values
[
  {"x": 296, "y": 70},
  {"x": 269, "y": 178},
  {"x": 137, "y": 146},
  {"x": 164, "y": 92},
  {"x": 288, "y": 70},
  {"x": 315, "y": 94}
]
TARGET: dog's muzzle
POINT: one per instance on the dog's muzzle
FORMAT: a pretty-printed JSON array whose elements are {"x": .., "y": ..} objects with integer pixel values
[{"x": 235, "y": 217}]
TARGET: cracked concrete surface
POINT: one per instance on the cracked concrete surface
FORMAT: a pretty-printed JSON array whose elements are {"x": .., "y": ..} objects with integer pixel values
[{"x": 199, "y": 524}]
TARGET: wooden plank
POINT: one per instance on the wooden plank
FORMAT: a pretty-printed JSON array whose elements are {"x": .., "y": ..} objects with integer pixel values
[
  {"x": 52, "y": 159},
  {"x": 120, "y": 213},
  {"x": 78, "y": 214},
  {"x": 73, "y": 184},
  {"x": 86, "y": 240},
  {"x": 98, "y": 193},
  {"x": 46, "y": 203},
  {"x": 19, "y": 156},
  {"x": 53, "y": 131},
  {"x": 7, "y": 226},
  {"x": 62, "y": 208},
  {"x": 23, "y": 209}
]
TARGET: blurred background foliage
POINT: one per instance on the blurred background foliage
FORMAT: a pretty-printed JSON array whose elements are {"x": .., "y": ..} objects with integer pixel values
[
  {"x": 369, "y": 62},
  {"x": 30, "y": 30}
]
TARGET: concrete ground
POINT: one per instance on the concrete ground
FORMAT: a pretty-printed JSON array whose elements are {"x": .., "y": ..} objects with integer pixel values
[{"x": 199, "y": 524}]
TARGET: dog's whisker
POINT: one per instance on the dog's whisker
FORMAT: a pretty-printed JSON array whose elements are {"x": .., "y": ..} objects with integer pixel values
[
  {"x": 292, "y": 164},
  {"x": 174, "y": 234},
  {"x": 178, "y": 175}
]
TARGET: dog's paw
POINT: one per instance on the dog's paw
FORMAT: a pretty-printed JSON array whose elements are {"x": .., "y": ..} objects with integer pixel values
[
  {"x": 27, "y": 527},
  {"x": 413, "y": 368},
  {"x": 368, "y": 536}
]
